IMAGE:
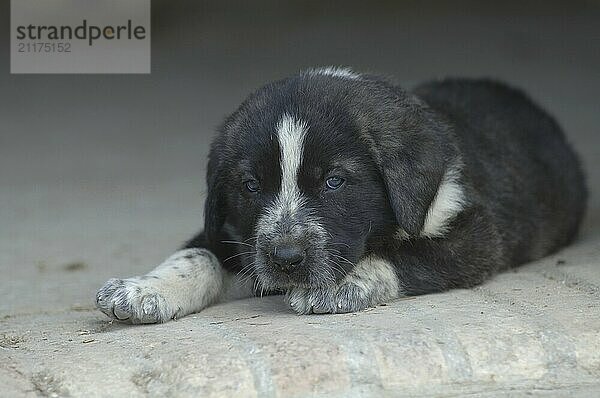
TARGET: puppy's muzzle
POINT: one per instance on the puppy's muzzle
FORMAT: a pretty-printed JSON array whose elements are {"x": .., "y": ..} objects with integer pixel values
[{"x": 287, "y": 257}]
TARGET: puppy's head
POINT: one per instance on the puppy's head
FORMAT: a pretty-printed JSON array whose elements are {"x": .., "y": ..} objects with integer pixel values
[{"x": 316, "y": 170}]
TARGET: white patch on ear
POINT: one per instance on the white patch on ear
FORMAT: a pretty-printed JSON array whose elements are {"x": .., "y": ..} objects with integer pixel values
[
  {"x": 335, "y": 71},
  {"x": 449, "y": 201}
]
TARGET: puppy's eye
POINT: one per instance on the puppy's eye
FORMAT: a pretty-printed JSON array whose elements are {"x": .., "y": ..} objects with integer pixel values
[
  {"x": 334, "y": 182},
  {"x": 252, "y": 185}
]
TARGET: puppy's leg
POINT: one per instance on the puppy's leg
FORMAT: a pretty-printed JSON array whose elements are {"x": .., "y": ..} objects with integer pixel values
[
  {"x": 372, "y": 281},
  {"x": 469, "y": 253},
  {"x": 185, "y": 283}
]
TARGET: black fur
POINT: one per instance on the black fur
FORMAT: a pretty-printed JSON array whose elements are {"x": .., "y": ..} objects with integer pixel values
[{"x": 524, "y": 188}]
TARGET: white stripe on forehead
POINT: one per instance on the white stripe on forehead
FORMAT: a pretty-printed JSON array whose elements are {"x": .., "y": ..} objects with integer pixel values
[{"x": 290, "y": 133}]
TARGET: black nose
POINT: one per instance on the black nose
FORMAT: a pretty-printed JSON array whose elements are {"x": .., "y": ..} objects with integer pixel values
[{"x": 286, "y": 257}]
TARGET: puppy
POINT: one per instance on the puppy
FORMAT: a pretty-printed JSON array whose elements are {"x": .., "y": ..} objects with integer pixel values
[{"x": 343, "y": 191}]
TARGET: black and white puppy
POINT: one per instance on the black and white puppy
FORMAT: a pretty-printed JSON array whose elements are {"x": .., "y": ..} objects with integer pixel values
[{"x": 344, "y": 191}]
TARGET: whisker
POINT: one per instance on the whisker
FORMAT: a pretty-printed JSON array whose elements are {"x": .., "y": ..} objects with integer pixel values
[
  {"x": 327, "y": 277},
  {"x": 336, "y": 267},
  {"x": 343, "y": 258},
  {"x": 239, "y": 254},
  {"x": 244, "y": 268},
  {"x": 237, "y": 243},
  {"x": 244, "y": 271},
  {"x": 247, "y": 266},
  {"x": 247, "y": 278},
  {"x": 340, "y": 243},
  {"x": 255, "y": 286}
]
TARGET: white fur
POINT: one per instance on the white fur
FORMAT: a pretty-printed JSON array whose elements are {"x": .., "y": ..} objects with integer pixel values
[
  {"x": 401, "y": 234},
  {"x": 185, "y": 283},
  {"x": 335, "y": 71},
  {"x": 290, "y": 134},
  {"x": 372, "y": 281},
  {"x": 376, "y": 278},
  {"x": 448, "y": 202}
]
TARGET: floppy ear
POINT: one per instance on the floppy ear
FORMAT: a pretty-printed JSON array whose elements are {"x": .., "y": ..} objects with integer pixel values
[
  {"x": 412, "y": 152},
  {"x": 214, "y": 207}
]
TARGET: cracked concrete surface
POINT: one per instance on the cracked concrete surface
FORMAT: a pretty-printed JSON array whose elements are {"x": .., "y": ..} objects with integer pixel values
[{"x": 102, "y": 176}]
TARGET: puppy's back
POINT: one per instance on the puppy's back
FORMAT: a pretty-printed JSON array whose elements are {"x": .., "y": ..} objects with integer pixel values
[{"x": 518, "y": 163}]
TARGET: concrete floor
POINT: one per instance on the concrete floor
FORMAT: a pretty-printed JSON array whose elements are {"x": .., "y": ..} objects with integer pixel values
[{"x": 102, "y": 176}]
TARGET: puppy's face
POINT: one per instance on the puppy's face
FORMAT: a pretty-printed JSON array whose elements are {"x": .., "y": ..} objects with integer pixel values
[
  {"x": 307, "y": 195},
  {"x": 293, "y": 174}
]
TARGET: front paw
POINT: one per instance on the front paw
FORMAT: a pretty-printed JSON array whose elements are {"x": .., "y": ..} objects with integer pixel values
[
  {"x": 309, "y": 301},
  {"x": 347, "y": 297},
  {"x": 133, "y": 300}
]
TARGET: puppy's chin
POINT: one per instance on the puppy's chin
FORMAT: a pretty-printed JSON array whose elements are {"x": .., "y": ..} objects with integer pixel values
[
  {"x": 306, "y": 278},
  {"x": 272, "y": 282}
]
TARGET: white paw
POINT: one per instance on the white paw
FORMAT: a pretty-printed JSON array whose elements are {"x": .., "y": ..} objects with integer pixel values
[
  {"x": 133, "y": 300},
  {"x": 310, "y": 301},
  {"x": 298, "y": 299},
  {"x": 346, "y": 297}
]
